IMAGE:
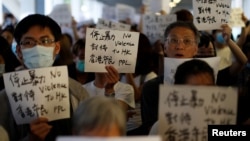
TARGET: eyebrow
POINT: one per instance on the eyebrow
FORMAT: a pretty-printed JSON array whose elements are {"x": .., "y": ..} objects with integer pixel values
[
  {"x": 182, "y": 37},
  {"x": 45, "y": 36}
]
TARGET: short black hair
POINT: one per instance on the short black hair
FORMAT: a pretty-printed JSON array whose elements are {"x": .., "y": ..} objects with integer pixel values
[
  {"x": 79, "y": 44},
  {"x": 11, "y": 62},
  {"x": 37, "y": 19},
  {"x": 184, "y": 24},
  {"x": 184, "y": 15},
  {"x": 205, "y": 39},
  {"x": 192, "y": 67}
]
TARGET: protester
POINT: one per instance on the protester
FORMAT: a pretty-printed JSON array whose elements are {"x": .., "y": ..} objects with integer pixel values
[
  {"x": 181, "y": 41},
  {"x": 99, "y": 116},
  {"x": 192, "y": 72},
  {"x": 78, "y": 51},
  {"x": 37, "y": 38}
]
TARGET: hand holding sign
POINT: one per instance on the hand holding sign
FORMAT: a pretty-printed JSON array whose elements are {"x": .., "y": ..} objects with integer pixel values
[
  {"x": 226, "y": 32},
  {"x": 39, "y": 128}
]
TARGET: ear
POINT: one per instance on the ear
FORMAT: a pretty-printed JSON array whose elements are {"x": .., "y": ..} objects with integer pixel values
[
  {"x": 57, "y": 48},
  {"x": 165, "y": 48},
  {"x": 19, "y": 52}
]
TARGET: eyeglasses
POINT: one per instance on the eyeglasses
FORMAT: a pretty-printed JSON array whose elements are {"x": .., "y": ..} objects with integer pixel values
[
  {"x": 176, "y": 41},
  {"x": 31, "y": 42}
]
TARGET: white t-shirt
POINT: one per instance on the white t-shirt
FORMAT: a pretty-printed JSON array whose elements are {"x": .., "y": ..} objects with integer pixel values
[
  {"x": 226, "y": 56},
  {"x": 154, "y": 129},
  {"x": 123, "y": 92},
  {"x": 135, "y": 121}
]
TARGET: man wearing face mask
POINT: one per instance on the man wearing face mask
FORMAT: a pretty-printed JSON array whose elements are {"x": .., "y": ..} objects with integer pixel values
[{"x": 37, "y": 38}]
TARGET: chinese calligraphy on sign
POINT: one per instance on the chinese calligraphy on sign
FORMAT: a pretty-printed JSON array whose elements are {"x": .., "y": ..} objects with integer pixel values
[
  {"x": 38, "y": 92},
  {"x": 185, "y": 111},
  {"x": 110, "y": 47},
  {"x": 107, "y": 24},
  {"x": 211, "y": 14}
]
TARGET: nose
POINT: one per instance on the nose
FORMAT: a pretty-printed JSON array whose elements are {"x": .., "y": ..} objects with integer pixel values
[{"x": 180, "y": 45}]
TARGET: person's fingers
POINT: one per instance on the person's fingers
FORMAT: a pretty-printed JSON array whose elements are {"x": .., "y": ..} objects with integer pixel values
[
  {"x": 40, "y": 127},
  {"x": 112, "y": 74}
]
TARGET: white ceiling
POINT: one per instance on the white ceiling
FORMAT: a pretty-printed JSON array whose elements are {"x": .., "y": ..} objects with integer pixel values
[{"x": 184, "y": 4}]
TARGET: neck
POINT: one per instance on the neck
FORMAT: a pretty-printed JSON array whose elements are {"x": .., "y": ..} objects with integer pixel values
[{"x": 100, "y": 80}]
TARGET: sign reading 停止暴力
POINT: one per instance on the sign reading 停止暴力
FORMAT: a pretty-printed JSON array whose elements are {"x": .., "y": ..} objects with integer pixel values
[
  {"x": 38, "y": 92},
  {"x": 186, "y": 111},
  {"x": 110, "y": 47}
]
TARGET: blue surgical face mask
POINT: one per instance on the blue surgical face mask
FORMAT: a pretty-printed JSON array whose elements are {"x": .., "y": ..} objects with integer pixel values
[
  {"x": 220, "y": 38},
  {"x": 80, "y": 65},
  {"x": 38, "y": 57}
]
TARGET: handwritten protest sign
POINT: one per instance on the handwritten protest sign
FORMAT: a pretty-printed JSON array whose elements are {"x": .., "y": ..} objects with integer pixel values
[
  {"x": 136, "y": 138},
  {"x": 108, "y": 12},
  {"x": 110, "y": 47},
  {"x": 236, "y": 18},
  {"x": 185, "y": 111},
  {"x": 107, "y": 24},
  {"x": 171, "y": 64},
  {"x": 61, "y": 13},
  {"x": 38, "y": 92},
  {"x": 123, "y": 12},
  {"x": 212, "y": 14},
  {"x": 154, "y": 25}
]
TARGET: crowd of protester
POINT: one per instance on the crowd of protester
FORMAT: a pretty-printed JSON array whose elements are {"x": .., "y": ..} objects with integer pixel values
[{"x": 113, "y": 103}]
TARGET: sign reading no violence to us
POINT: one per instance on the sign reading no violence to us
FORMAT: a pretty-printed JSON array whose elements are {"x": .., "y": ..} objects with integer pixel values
[
  {"x": 110, "y": 47},
  {"x": 38, "y": 92}
]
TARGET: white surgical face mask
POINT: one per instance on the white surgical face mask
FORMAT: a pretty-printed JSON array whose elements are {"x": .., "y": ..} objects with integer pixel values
[{"x": 38, "y": 57}]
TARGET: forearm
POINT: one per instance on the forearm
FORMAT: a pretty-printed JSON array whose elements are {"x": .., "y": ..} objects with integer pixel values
[
  {"x": 237, "y": 52},
  {"x": 242, "y": 37}
]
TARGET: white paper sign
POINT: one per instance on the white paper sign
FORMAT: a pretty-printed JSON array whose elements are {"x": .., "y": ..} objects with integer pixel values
[
  {"x": 108, "y": 12},
  {"x": 212, "y": 14},
  {"x": 136, "y": 138},
  {"x": 110, "y": 47},
  {"x": 185, "y": 111},
  {"x": 236, "y": 18},
  {"x": 154, "y": 26},
  {"x": 107, "y": 24},
  {"x": 124, "y": 12},
  {"x": 61, "y": 13},
  {"x": 38, "y": 92},
  {"x": 171, "y": 64}
]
